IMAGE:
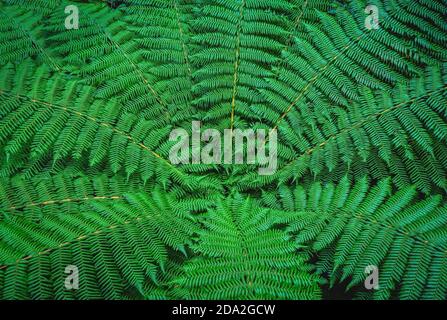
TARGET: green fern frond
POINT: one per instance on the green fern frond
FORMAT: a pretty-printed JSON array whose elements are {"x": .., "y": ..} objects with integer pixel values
[
  {"x": 362, "y": 225},
  {"x": 129, "y": 234},
  {"x": 241, "y": 255}
]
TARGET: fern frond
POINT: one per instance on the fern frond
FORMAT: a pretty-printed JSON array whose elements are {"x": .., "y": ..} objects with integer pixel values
[
  {"x": 363, "y": 225},
  {"x": 85, "y": 122},
  {"x": 241, "y": 255},
  {"x": 118, "y": 242}
]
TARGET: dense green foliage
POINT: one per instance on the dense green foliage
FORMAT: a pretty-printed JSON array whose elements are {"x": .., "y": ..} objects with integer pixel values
[{"x": 85, "y": 178}]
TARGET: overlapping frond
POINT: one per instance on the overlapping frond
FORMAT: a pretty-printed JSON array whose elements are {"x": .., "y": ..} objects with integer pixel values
[
  {"x": 57, "y": 118},
  {"x": 363, "y": 225},
  {"x": 399, "y": 133},
  {"x": 118, "y": 240}
]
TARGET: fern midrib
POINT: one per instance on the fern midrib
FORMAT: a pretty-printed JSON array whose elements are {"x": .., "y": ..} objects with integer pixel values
[
  {"x": 244, "y": 253},
  {"x": 237, "y": 62},
  {"x": 134, "y": 66},
  {"x": 306, "y": 88},
  {"x": 65, "y": 200},
  {"x": 289, "y": 41},
  {"x": 181, "y": 33}
]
